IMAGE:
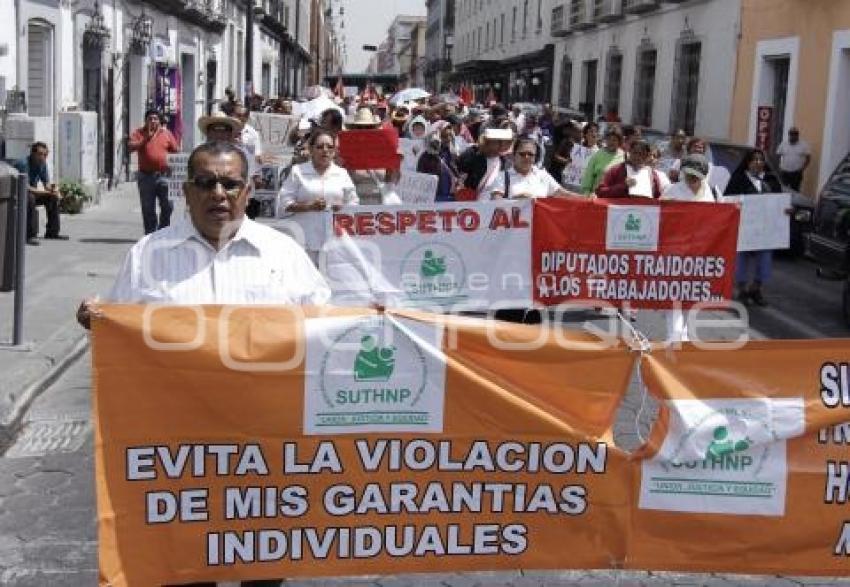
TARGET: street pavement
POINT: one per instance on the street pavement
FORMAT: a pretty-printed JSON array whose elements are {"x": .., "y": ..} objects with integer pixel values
[{"x": 47, "y": 505}]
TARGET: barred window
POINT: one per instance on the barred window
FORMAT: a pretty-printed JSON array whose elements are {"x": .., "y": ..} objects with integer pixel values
[
  {"x": 647, "y": 58},
  {"x": 566, "y": 82},
  {"x": 683, "y": 113},
  {"x": 613, "y": 78}
]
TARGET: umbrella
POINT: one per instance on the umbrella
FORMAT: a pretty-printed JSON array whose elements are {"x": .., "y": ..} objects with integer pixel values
[
  {"x": 408, "y": 95},
  {"x": 449, "y": 98},
  {"x": 313, "y": 109}
]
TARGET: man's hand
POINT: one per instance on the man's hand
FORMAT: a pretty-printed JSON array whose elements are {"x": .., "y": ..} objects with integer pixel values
[{"x": 88, "y": 309}]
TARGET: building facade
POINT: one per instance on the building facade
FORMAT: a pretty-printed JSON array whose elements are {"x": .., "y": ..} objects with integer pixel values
[
  {"x": 665, "y": 65},
  {"x": 503, "y": 49},
  {"x": 439, "y": 41},
  {"x": 399, "y": 34},
  {"x": 794, "y": 68},
  {"x": 117, "y": 59},
  {"x": 411, "y": 58}
]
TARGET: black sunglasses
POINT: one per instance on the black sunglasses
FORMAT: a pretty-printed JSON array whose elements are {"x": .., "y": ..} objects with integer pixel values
[{"x": 232, "y": 187}]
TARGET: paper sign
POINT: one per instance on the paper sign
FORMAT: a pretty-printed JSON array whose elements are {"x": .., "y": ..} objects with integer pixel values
[
  {"x": 369, "y": 149},
  {"x": 573, "y": 172},
  {"x": 764, "y": 223},
  {"x": 274, "y": 130},
  {"x": 417, "y": 188},
  {"x": 178, "y": 164}
]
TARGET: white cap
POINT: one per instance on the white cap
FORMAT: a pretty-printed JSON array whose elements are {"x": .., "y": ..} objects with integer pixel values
[{"x": 498, "y": 134}]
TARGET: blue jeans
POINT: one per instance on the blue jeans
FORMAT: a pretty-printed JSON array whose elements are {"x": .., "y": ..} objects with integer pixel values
[
  {"x": 153, "y": 187},
  {"x": 755, "y": 264}
]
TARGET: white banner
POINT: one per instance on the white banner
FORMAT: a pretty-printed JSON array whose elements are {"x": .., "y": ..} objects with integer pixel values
[
  {"x": 468, "y": 256},
  {"x": 765, "y": 225},
  {"x": 417, "y": 188}
]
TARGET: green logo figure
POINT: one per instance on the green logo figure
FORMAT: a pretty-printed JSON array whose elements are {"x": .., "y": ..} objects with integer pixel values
[
  {"x": 432, "y": 266},
  {"x": 722, "y": 445},
  {"x": 373, "y": 363},
  {"x": 632, "y": 223}
]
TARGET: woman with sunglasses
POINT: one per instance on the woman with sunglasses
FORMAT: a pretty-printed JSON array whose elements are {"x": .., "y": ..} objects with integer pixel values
[
  {"x": 525, "y": 179},
  {"x": 318, "y": 184}
]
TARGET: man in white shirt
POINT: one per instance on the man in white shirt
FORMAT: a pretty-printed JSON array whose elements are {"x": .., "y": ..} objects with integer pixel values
[
  {"x": 249, "y": 138},
  {"x": 218, "y": 256},
  {"x": 794, "y": 157}
]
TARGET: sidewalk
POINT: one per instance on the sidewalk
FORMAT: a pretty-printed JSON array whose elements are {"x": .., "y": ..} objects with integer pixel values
[{"x": 59, "y": 274}]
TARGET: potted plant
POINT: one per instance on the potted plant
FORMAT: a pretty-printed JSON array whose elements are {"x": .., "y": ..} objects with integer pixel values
[{"x": 74, "y": 196}]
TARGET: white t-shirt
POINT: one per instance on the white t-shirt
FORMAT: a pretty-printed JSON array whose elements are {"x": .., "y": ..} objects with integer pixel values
[
  {"x": 305, "y": 185},
  {"x": 537, "y": 183},
  {"x": 793, "y": 157},
  {"x": 490, "y": 177}
]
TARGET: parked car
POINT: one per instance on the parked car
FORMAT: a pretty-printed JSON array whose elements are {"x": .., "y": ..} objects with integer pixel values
[{"x": 829, "y": 242}]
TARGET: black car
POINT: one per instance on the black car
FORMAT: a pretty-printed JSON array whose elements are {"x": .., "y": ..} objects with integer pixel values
[
  {"x": 829, "y": 242},
  {"x": 730, "y": 155}
]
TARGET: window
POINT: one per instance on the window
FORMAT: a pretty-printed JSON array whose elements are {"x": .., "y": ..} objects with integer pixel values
[
  {"x": 683, "y": 114},
  {"x": 647, "y": 58},
  {"x": 513, "y": 27},
  {"x": 487, "y": 38},
  {"x": 494, "y": 33},
  {"x": 566, "y": 82},
  {"x": 588, "y": 103},
  {"x": 502, "y": 34},
  {"x": 39, "y": 68},
  {"x": 524, "y": 19},
  {"x": 613, "y": 77}
]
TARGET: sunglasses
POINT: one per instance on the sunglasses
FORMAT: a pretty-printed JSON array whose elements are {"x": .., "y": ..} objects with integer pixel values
[{"x": 232, "y": 187}]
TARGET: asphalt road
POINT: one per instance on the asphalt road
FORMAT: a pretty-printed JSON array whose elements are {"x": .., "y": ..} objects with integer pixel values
[{"x": 47, "y": 506}]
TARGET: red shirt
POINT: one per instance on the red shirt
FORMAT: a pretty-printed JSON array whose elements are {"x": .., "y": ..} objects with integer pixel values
[{"x": 152, "y": 152}]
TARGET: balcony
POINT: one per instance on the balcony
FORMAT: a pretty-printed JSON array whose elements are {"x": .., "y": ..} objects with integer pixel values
[
  {"x": 207, "y": 14},
  {"x": 559, "y": 23},
  {"x": 580, "y": 17},
  {"x": 607, "y": 10},
  {"x": 640, "y": 6}
]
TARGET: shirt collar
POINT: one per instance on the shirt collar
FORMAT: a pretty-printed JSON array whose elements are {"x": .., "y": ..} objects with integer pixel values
[{"x": 248, "y": 232}]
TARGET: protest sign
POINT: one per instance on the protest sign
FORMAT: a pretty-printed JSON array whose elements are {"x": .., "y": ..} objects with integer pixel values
[
  {"x": 441, "y": 255},
  {"x": 369, "y": 149},
  {"x": 178, "y": 165},
  {"x": 573, "y": 172},
  {"x": 254, "y": 443},
  {"x": 417, "y": 188},
  {"x": 645, "y": 253},
  {"x": 749, "y": 456},
  {"x": 274, "y": 130},
  {"x": 410, "y": 149},
  {"x": 765, "y": 224}
]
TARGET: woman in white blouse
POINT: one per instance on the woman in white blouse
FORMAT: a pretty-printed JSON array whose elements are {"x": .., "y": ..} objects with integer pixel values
[
  {"x": 526, "y": 180},
  {"x": 318, "y": 184}
]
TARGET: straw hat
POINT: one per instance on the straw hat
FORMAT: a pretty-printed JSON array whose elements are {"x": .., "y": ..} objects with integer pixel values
[
  {"x": 363, "y": 119},
  {"x": 219, "y": 119}
]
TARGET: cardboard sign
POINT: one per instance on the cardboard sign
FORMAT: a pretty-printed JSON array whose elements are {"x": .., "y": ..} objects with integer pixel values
[
  {"x": 417, "y": 188},
  {"x": 633, "y": 250},
  {"x": 274, "y": 130},
  {"x": 369, "y": 149},
  {"x": 765, "y": 225}
]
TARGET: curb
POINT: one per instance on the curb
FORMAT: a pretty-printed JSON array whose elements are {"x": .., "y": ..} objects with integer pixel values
[{"x": 11, "y": 420}]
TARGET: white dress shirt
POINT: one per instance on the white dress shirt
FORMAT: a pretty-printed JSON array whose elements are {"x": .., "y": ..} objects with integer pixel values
[
  {"x": 176, "y": 265},
  {"x": 251, "y": 140},
  {"x": 537, "y": 183},
  {"x": 305, "y": 185}
]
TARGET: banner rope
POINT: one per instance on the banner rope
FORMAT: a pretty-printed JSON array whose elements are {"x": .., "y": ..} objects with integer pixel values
[{"x": 639, "y": 342}]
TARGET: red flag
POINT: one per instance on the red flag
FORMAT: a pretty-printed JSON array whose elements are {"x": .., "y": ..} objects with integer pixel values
[
  {"x": 465, "y": 94},
  {"x": 339, "y": 89}
]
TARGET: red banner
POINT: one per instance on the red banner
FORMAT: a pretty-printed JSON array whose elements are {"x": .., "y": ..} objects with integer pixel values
[
  {"x": 370, "y": 149},
  {"x": 649, "y": 254}
]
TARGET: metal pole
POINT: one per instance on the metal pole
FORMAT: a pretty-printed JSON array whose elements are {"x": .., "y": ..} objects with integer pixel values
[
  {"x": 20, "y": 255},
  {"x": 249, "y": 47}
]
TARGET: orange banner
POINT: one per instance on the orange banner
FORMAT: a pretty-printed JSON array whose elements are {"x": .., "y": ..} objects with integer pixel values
[
  {"x": 747, "y": 469},
  {"x": 251, "y": 443}
]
